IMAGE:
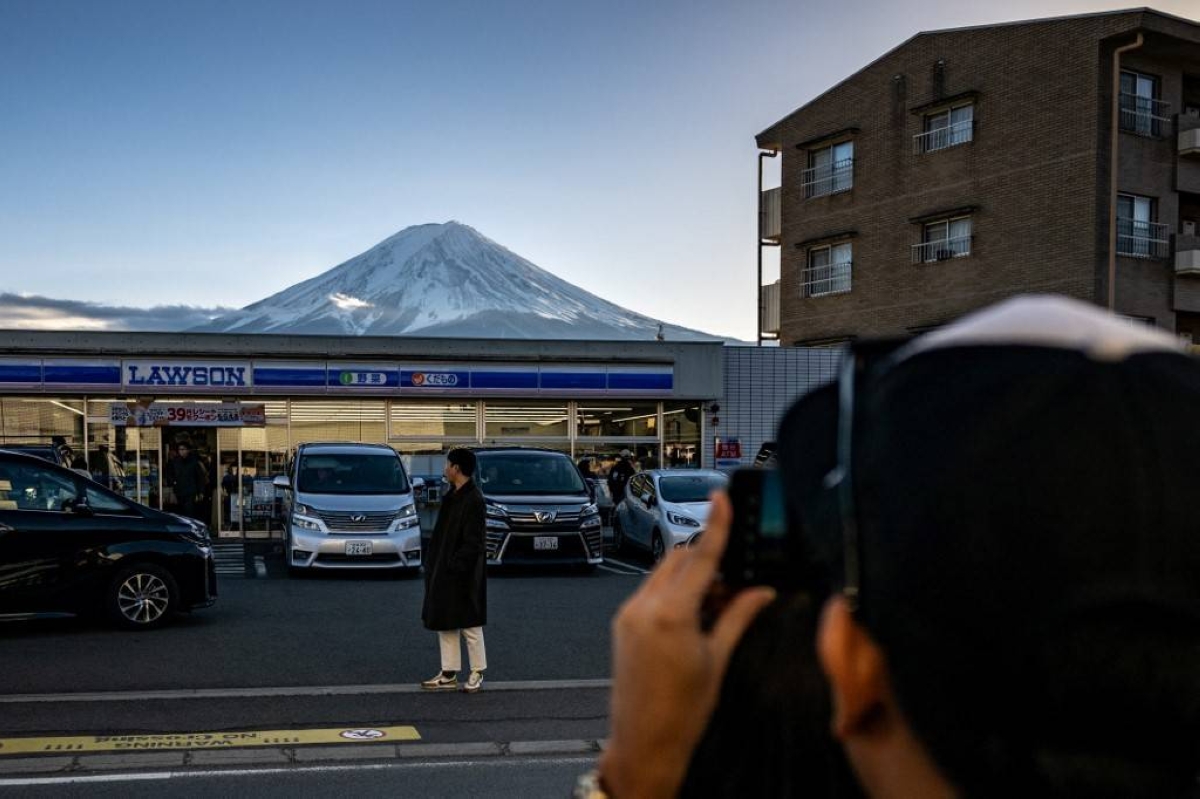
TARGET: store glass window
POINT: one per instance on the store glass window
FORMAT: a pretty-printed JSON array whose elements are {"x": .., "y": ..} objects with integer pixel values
[
  {"x": 507, "y": 420},
  {"x": 339, "y": 420},
  {"x": 617, "y": 419},
  {"x": 432, "y": 419},
  {"x": 681, "y": 434}
]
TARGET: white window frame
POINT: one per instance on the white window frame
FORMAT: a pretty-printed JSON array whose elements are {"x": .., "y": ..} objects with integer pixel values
[
  {"x": 953, "y": 240},
  {"x": 947, "y": 127},
  {"x": 833, "y": 275},
  {"x": 830, "y": 170},
  {"x": 1139, "y": 235}
]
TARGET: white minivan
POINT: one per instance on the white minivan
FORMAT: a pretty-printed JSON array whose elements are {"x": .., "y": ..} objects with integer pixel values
[{"x": 350, "y": 506}]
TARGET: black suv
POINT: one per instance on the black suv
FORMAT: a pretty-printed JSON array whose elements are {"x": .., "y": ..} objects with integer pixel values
[
  {"x": 540, "y": 509},
  {"x": 69, "y": 546}
]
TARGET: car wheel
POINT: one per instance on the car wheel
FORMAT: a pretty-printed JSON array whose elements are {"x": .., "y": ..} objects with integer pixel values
[
  {"x": 657, "y": 548},
  {"x": 618, "y": 536},
  {"x": 142, "y": 596}
]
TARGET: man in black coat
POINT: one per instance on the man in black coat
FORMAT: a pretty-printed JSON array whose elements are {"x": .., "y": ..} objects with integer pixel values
[
  {"x": 456, "y": 576},
  {"x": 619, "y": 476}
]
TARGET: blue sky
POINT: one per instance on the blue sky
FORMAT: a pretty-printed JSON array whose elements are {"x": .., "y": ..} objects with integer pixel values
[{"x": 212, "y": 153}]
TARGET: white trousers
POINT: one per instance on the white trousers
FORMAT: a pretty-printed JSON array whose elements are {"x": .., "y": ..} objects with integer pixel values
[{"x": 452, "y": 652}]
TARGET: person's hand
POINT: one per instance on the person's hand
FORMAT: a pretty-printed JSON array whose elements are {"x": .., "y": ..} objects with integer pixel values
[{"x": 667, "y": 671}]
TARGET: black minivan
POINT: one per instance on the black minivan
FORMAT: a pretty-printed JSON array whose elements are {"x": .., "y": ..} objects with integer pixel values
[{"x": 69, "y": 546}]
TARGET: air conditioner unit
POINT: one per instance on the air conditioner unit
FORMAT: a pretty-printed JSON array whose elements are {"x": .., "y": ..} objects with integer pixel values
[{"x": 1188, "y": 228}]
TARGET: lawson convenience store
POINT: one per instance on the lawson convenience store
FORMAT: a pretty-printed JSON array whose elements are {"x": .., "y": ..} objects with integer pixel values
[{"x": 123, "y": 401}]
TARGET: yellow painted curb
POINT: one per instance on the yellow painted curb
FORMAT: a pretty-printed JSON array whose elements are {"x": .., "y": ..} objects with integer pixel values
[{"x": 206, "y": 740}]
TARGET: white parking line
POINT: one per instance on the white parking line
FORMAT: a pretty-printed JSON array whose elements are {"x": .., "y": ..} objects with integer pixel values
[
  {"x": 636, "y": 569},
  {"x": 309, "y": 690},
  {"x": 276, "y": 771}
]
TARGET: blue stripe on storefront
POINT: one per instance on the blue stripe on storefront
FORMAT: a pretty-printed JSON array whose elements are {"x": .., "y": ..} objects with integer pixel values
[
  {"x": 290, "y": 378},
  {"x": 640, "y": 381},
  {"x": 20, "y": 373},
  {"x": 583, "y": 381},
  {"x": 513, "y": 380},
  {"x": 83, "y": 375}
]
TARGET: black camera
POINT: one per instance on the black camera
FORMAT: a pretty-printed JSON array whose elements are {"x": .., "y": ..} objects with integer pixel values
[{"x": 763, "y": 548}]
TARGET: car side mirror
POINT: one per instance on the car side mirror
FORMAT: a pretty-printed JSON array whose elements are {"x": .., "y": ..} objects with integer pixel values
[
  {"x": 418, "y": 483},
  {"x": 78, "y": 506},
  {"x": 281, "y": 481}
]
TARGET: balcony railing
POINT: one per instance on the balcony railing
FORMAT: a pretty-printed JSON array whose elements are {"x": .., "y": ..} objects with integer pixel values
[
  {"x": 820, "y": 281},
  {"x": 828, "y": 179},
  {"x": 941, "y": 249},
  {"x": 1145, "y": 116},
  {"x": 941, "y": 138},
  {"x": 1136, "y": 239},
  {"x": 770, "y": 215}
]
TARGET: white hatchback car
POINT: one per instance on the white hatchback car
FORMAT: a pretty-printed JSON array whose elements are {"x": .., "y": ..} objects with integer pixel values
[{"x": 663, "y": 508}]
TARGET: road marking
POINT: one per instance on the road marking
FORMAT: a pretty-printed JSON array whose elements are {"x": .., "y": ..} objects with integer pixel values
[
  {"x": 498, "y": 762},
  {"x": 309, "y": 690},
  {"x": 611, "y": 570},
  {"x": 205, "y": 740},
  {"x": 637, "y": 569}
]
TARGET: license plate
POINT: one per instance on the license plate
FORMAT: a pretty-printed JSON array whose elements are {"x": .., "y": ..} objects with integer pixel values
[
  {"x": 545, "y": 542},
  {"x": 358, "y": 547}
]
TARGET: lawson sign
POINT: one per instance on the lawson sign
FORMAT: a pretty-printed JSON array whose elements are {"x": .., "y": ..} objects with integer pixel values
[{"x": 142, "y": 374}]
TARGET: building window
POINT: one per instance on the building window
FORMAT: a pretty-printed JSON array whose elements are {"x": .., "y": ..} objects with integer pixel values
[
  {"x": 1138, "y": 235},
  {"x": 830, "y": 170},
  {"x": 828, "y": 271},
  {"x": 1141, "y": 110},
  {"x": 946, "y": 128},
  {"x": 943, "y": 239}
]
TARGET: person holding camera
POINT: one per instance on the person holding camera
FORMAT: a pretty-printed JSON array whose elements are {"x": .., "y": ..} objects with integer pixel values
[{"x": 1009, "y": 530}]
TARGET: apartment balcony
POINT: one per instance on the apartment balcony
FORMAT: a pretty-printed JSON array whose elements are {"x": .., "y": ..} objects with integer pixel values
[
  {"x": 1187, "y": 255},
  {"x": 770, "y": 309},
  {"x": 770, "y": 215},
  {"x": 1144, "y": 116},
  {"x": 1148, "y": 240},
  {"x": 828, "y": 179},
  {"x": 941, "y": 250},
  {"x": 1189, "y": 135},
  {"x": 820, "y": 281}
]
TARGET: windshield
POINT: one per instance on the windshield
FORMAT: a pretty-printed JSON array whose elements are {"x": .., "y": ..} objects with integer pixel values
[
  {"x": 528, "y": 473},
  {"x": 352, "y": 474},
  {"x": 689, "y": 488}
]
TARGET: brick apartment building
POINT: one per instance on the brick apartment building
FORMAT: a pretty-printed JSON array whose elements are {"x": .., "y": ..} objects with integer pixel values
[{"x": 969, "y": 165}]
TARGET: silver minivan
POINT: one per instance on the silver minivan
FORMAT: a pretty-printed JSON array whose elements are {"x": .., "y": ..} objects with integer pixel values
[{"x": 350, "y": 506}]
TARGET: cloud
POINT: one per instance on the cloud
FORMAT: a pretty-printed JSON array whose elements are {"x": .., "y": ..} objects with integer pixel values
[{"x": 31, "y": 312}]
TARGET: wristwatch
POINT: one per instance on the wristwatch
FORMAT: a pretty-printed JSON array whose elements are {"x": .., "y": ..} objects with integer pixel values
[{"x": 588, "y": 786}]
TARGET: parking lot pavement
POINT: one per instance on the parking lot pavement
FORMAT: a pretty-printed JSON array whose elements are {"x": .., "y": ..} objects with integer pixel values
[{"x": 332, "y": 628}]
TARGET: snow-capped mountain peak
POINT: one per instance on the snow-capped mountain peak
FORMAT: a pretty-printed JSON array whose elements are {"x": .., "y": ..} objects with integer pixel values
[{"x": 442, "y": 280}]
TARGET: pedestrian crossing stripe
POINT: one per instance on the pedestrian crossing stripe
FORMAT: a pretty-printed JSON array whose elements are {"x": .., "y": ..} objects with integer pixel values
[{"x": 205, "y": 740}]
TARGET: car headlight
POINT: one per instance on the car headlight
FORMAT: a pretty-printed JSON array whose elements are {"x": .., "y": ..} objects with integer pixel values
[
  {"x": 682, "y": 521},
  {"x": 497, "y": 511},
  {"x": 305, "y": 523},
  {"x": 590, "y": 510}
]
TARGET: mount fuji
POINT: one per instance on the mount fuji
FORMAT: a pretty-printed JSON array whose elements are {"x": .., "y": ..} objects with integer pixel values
[{"x": 443, "y": 280}]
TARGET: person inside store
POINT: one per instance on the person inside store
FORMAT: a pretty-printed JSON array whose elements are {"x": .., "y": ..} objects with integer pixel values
[
  {"x": 1009, "y": 534},
  {"x": 190, "y": 480}
]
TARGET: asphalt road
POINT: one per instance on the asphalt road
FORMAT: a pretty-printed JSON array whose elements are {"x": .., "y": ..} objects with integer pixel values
[
  {"x": 329, "y": 629},
  {"x": 266, "y": 657}
]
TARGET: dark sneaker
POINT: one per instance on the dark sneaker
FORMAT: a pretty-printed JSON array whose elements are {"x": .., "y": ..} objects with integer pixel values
[
  {"x": 441, "y": 683},
  {"x": 474, "y": 682}
]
